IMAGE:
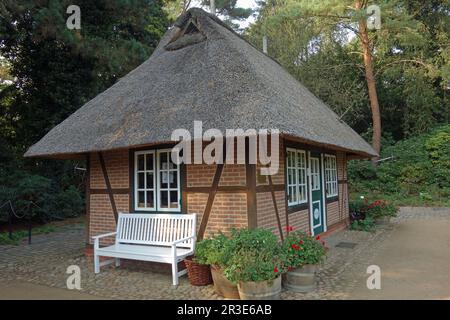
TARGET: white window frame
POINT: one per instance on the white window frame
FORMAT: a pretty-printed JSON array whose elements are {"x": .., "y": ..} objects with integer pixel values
[
  {"x": 297, "y": 186},
  {"x": 331, "y": 176},
  {"x": 168, "y": 189},
  {"x": 156, "y": 182}
]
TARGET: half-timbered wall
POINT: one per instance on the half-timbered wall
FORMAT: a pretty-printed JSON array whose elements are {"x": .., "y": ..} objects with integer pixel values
[{"x": 237, "y": 203}]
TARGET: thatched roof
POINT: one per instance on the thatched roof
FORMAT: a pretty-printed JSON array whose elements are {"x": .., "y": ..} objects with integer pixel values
[{"x": 201, "y": 70}]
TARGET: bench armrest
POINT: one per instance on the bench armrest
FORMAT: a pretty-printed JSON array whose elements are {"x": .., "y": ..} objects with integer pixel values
[
  {"x": 104, "y": 235},
  {"x": 174, "y": 243},
  {"x": 97, "y": 238}
]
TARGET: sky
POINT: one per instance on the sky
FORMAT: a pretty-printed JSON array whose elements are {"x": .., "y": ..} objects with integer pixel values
[{"x": 240, "y": 3}]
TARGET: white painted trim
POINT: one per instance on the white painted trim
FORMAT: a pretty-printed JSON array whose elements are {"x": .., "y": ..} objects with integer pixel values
[
  {"x": 158, "y": 202},
  {"x": 323, "y": 196},
  {"x": 320, "y": 213},
  {"x": 311, "y": 221},
  {"x": 336, "y": 171},
  {"x": 156, "y": 178},
  {"x": 296, "y": 171},
  {"x": 136, "y": 154}
]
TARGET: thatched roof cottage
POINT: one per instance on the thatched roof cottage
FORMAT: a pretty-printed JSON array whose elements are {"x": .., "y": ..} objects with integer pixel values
[{"x": 203, "y": 71}]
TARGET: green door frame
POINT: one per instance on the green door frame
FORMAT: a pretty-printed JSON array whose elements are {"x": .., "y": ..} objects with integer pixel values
[{"x": 317, "y": 209}]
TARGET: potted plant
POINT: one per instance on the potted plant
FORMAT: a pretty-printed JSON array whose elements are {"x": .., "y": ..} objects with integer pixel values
[
  {"x": 199, "y": 272},
  {"x": 303, "y": 255},
  {"x": 219, "y": 254},
  {"x": 256, "y": 264}
]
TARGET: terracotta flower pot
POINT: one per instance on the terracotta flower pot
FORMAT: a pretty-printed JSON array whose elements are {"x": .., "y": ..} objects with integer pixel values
[
  {"x": 261, "y": 290},
  {"x": 301, "y": 279},
  {"x": 222, "y": 286}
]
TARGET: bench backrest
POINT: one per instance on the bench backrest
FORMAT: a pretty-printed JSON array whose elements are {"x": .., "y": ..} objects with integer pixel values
[{"x": 156, "y": 229}]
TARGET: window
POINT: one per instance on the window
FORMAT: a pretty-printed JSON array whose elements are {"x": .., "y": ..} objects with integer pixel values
[
  {"x": 296, "y": 176},
  {"x": 331, "y": 176},
  {"x": 315, "y": 174},
  {"x": 156, "y": 181}
]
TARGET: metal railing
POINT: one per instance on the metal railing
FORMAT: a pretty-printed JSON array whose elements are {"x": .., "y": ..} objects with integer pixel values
[{"x": 11, "y": 214}]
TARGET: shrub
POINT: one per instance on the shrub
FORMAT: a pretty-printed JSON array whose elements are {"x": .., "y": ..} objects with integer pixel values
[
  {"x": 202, "y": 251},
  {"x": 367, "y": 224},
  {"x": 256, "y": 256},
  {"x": 380, "y": 208},
  {"x": 420, "y": 167},
  {"x": 215, "y": 250},
  {"x": 300, "y": 249}
]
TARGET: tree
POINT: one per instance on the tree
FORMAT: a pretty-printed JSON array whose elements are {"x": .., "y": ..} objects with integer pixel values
[
  {"x": 57, "y": 70},
  {"x": 319, "y": 42},
  {"x": 228, "y": 10}
]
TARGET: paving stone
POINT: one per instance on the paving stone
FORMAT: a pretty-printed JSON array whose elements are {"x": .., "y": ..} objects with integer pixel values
[{"x": 45, "y": 262}]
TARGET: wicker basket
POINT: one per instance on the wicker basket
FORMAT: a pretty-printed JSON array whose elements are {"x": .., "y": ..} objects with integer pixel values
[{"x": 198, "y": 274}]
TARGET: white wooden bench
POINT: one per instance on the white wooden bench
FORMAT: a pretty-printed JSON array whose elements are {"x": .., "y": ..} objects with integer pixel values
[{"x": 166, "y": 238}]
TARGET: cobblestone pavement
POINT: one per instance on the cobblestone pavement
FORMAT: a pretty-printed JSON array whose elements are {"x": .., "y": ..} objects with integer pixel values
[{"x": 45, "y": 262}]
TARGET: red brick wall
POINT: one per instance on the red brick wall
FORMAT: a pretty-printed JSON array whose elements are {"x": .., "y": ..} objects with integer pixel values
[
  {"x": 101, "y": 216},
  {"x": 337, "y": 211},
  {"x": 229, "y": 209},
  {"x": 266, "y": 216},
  {"x": 117, "y": 166}
]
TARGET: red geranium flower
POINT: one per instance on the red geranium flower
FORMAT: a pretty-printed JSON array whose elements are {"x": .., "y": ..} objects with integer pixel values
[
  {"x": 289, "y": 228},
  {"x": 318, "y": 238},
  {"x": 300, "y": 242},
  {"x": 275, "y": 270}
]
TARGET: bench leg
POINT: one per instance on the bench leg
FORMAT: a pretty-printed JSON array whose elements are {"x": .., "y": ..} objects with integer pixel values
[
  {"x": 117, "y": 262},
  {"x": 96, "y": 263},
  {"x": 175, "y": 273}
]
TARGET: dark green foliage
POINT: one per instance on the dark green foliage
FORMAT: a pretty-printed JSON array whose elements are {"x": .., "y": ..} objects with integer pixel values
[
  {"x": 367, "y": 224},
  {"x": 256, "y": 256},
  {"x": 57, "y": 70},
  {"x": 420, "y": 171},
  {"x": 216, "y": 250},
  {"x": 202, "y": 251}
]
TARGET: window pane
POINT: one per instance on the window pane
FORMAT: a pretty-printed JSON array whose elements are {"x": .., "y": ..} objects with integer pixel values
[
  {"x": 163, "y": 160},
  {"x": 164, "y": 179},
  {"x": 141, "y": 162},
  {"x": 173, "y": 179},
  {"x": 141, "y": 200},
  {"x": 290, "y": 194},
  {"x": 149, "y": 180},
  {"x": 149, "y": 162},
  {"x": 171, "y": 164},
  {"x": 164, "y": 201},
  {"x": 141, "y": 180},
  {"x": 150, "y": 199},
  {"x": 173, "y": 199}
]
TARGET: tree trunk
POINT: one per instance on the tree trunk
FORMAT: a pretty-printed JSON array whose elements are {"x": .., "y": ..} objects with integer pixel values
[{"x": 370, "y": 78}]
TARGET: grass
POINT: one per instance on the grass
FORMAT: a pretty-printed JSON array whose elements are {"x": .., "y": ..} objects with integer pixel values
[{"x": 17, "y": 236}]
